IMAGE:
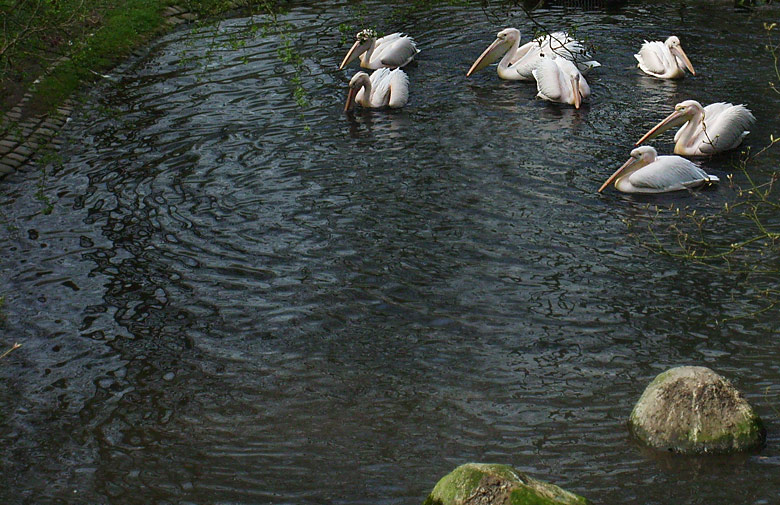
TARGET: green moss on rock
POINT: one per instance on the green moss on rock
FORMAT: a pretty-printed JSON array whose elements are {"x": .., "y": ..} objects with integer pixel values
[
  {"x": 494, "y": 484},
  {"x": 693, "y": 410}
]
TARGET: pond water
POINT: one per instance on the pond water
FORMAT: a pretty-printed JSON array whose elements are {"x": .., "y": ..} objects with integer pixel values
[{"x": 236, "y": 300}]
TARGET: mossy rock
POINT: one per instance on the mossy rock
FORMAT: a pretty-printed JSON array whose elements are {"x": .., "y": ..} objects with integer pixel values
[
  {"x": 492, "y": 484},
  {"x": 693, "y": 410}
]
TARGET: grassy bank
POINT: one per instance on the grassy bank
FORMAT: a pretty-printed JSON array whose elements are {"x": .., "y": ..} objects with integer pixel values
[{"x": 51, "y": 47}]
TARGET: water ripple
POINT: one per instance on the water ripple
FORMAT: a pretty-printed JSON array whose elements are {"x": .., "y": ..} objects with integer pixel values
[{"x": 239, "y": 300}]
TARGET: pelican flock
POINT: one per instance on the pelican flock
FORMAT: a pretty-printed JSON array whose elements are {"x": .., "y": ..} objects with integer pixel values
[{"x": 558, "y": 63}]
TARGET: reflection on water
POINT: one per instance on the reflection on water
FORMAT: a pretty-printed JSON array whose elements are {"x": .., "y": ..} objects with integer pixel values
[{"x": 239, "y": 301}]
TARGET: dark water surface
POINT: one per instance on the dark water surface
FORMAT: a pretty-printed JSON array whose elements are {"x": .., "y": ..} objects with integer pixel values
[{"x": 237, "y": 302}]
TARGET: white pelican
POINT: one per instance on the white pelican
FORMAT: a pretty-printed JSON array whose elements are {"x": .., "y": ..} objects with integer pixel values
[
  {"x": 391, "y": 51},
  {"x": 708, "y": 130},
  {"x": 665, "y": 60},
  {"x": 646, "y": 172},
  {"x": 385, "y": 88},
  {"x": 560, "y": 80},
  {"x": 518, "y": 62}
]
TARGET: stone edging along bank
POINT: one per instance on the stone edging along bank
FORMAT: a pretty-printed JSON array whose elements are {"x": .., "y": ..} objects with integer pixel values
[{"x": 26, "y": 137}]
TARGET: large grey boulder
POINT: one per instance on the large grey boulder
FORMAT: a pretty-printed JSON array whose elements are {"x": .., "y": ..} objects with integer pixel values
[
  {"x": 693, "y": 410},
  {"x": 492, "y": 484}
]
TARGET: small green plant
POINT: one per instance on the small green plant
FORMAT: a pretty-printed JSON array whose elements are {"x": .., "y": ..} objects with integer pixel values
[
  {"x": 347, "y": 32},
  {"x": 46, "y": 158},
  {"x": 41, "y": 195},
  {"x": 287, "y": 52}
]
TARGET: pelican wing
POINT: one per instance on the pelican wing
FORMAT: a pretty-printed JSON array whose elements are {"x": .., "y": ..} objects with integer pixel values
[
  {"x": 561, "y": 44},
  {"x": 586, "y": 66},
  {"x": 399, "y": 88},
  {"x": 548, "y": 80},
  {"x": 669, "y": 173},
  {"x": 523, "y": 50},
  {"x": 584, "y": 87},
  {"x": 380, "y": 87},
  {"x": 526, "y": 65},
  {"x": 654, "y": 57},
  {"x": 555, "y": 41},
  {"x": 387, "y": 39},
  {"x": 389, "y": 88},
  {"x": 726, "y": 126},
  {"x": 396, "y": 50}
]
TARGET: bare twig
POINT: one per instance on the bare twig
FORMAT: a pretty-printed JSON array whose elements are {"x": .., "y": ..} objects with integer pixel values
[{"x": 16, "y": 346}]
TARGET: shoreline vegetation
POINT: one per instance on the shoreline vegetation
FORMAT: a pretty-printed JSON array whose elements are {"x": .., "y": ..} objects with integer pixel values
[{"x": 49, "y": 48}]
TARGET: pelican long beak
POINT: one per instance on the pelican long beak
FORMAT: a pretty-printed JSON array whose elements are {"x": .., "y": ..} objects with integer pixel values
[
  {"x": 489, "y": 55},
  {"x": 676, "y": 118},
  {"x": 356, "y": 50},
  {"x": 678, "y": 51},
  {"x": 350, "y": 99},
  {"x": 631, "y": 161},
  {"x": 575, "y": 86}
]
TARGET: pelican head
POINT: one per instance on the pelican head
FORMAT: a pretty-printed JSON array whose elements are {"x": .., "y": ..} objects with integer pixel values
[
  {"x": 572, "y": 73},
  {"x": 640, "y": 157},
  {"x": 673, "y": 43},
  {"x": 576, "y": 88},
  {"x": 683, "y": 112},
  {"x": 358, "y": 81},
  {"x": 363, "y": 41},
  {"x": 504, "y": 41}
]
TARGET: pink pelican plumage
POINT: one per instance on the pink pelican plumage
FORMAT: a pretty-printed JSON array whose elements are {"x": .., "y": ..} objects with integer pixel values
[
  {"x": 391, "y": 51},
  {"x": 560, "y": 80},
  {"x": 385, "y": 88},
  {"x": 518, "y": 63},
  {"x": 706, "y": 130},
  {"x": 665, "y": 60},
  {"x": 646, "y": 172}
]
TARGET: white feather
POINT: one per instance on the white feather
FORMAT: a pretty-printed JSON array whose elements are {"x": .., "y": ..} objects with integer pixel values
[
  {"x": 386, "y": 88},
  {"x": 726, "y": 126},
  {"x": 554, "y": 83},
  {"x": 654, "y": 58},
  {"x": 394, "y": 50},
  {"x": 668, "y": 173},
  {"x": 650, "y": 173},
  {"x": 548, "y": 80},
  {"x": 519, "y": 62},
  {"x": 657, "y": 59}
]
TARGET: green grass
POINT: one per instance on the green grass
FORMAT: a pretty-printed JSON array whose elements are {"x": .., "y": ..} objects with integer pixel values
[
  {"x": 93, "y": 36},
  {"x": 124, "y": 28}
]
